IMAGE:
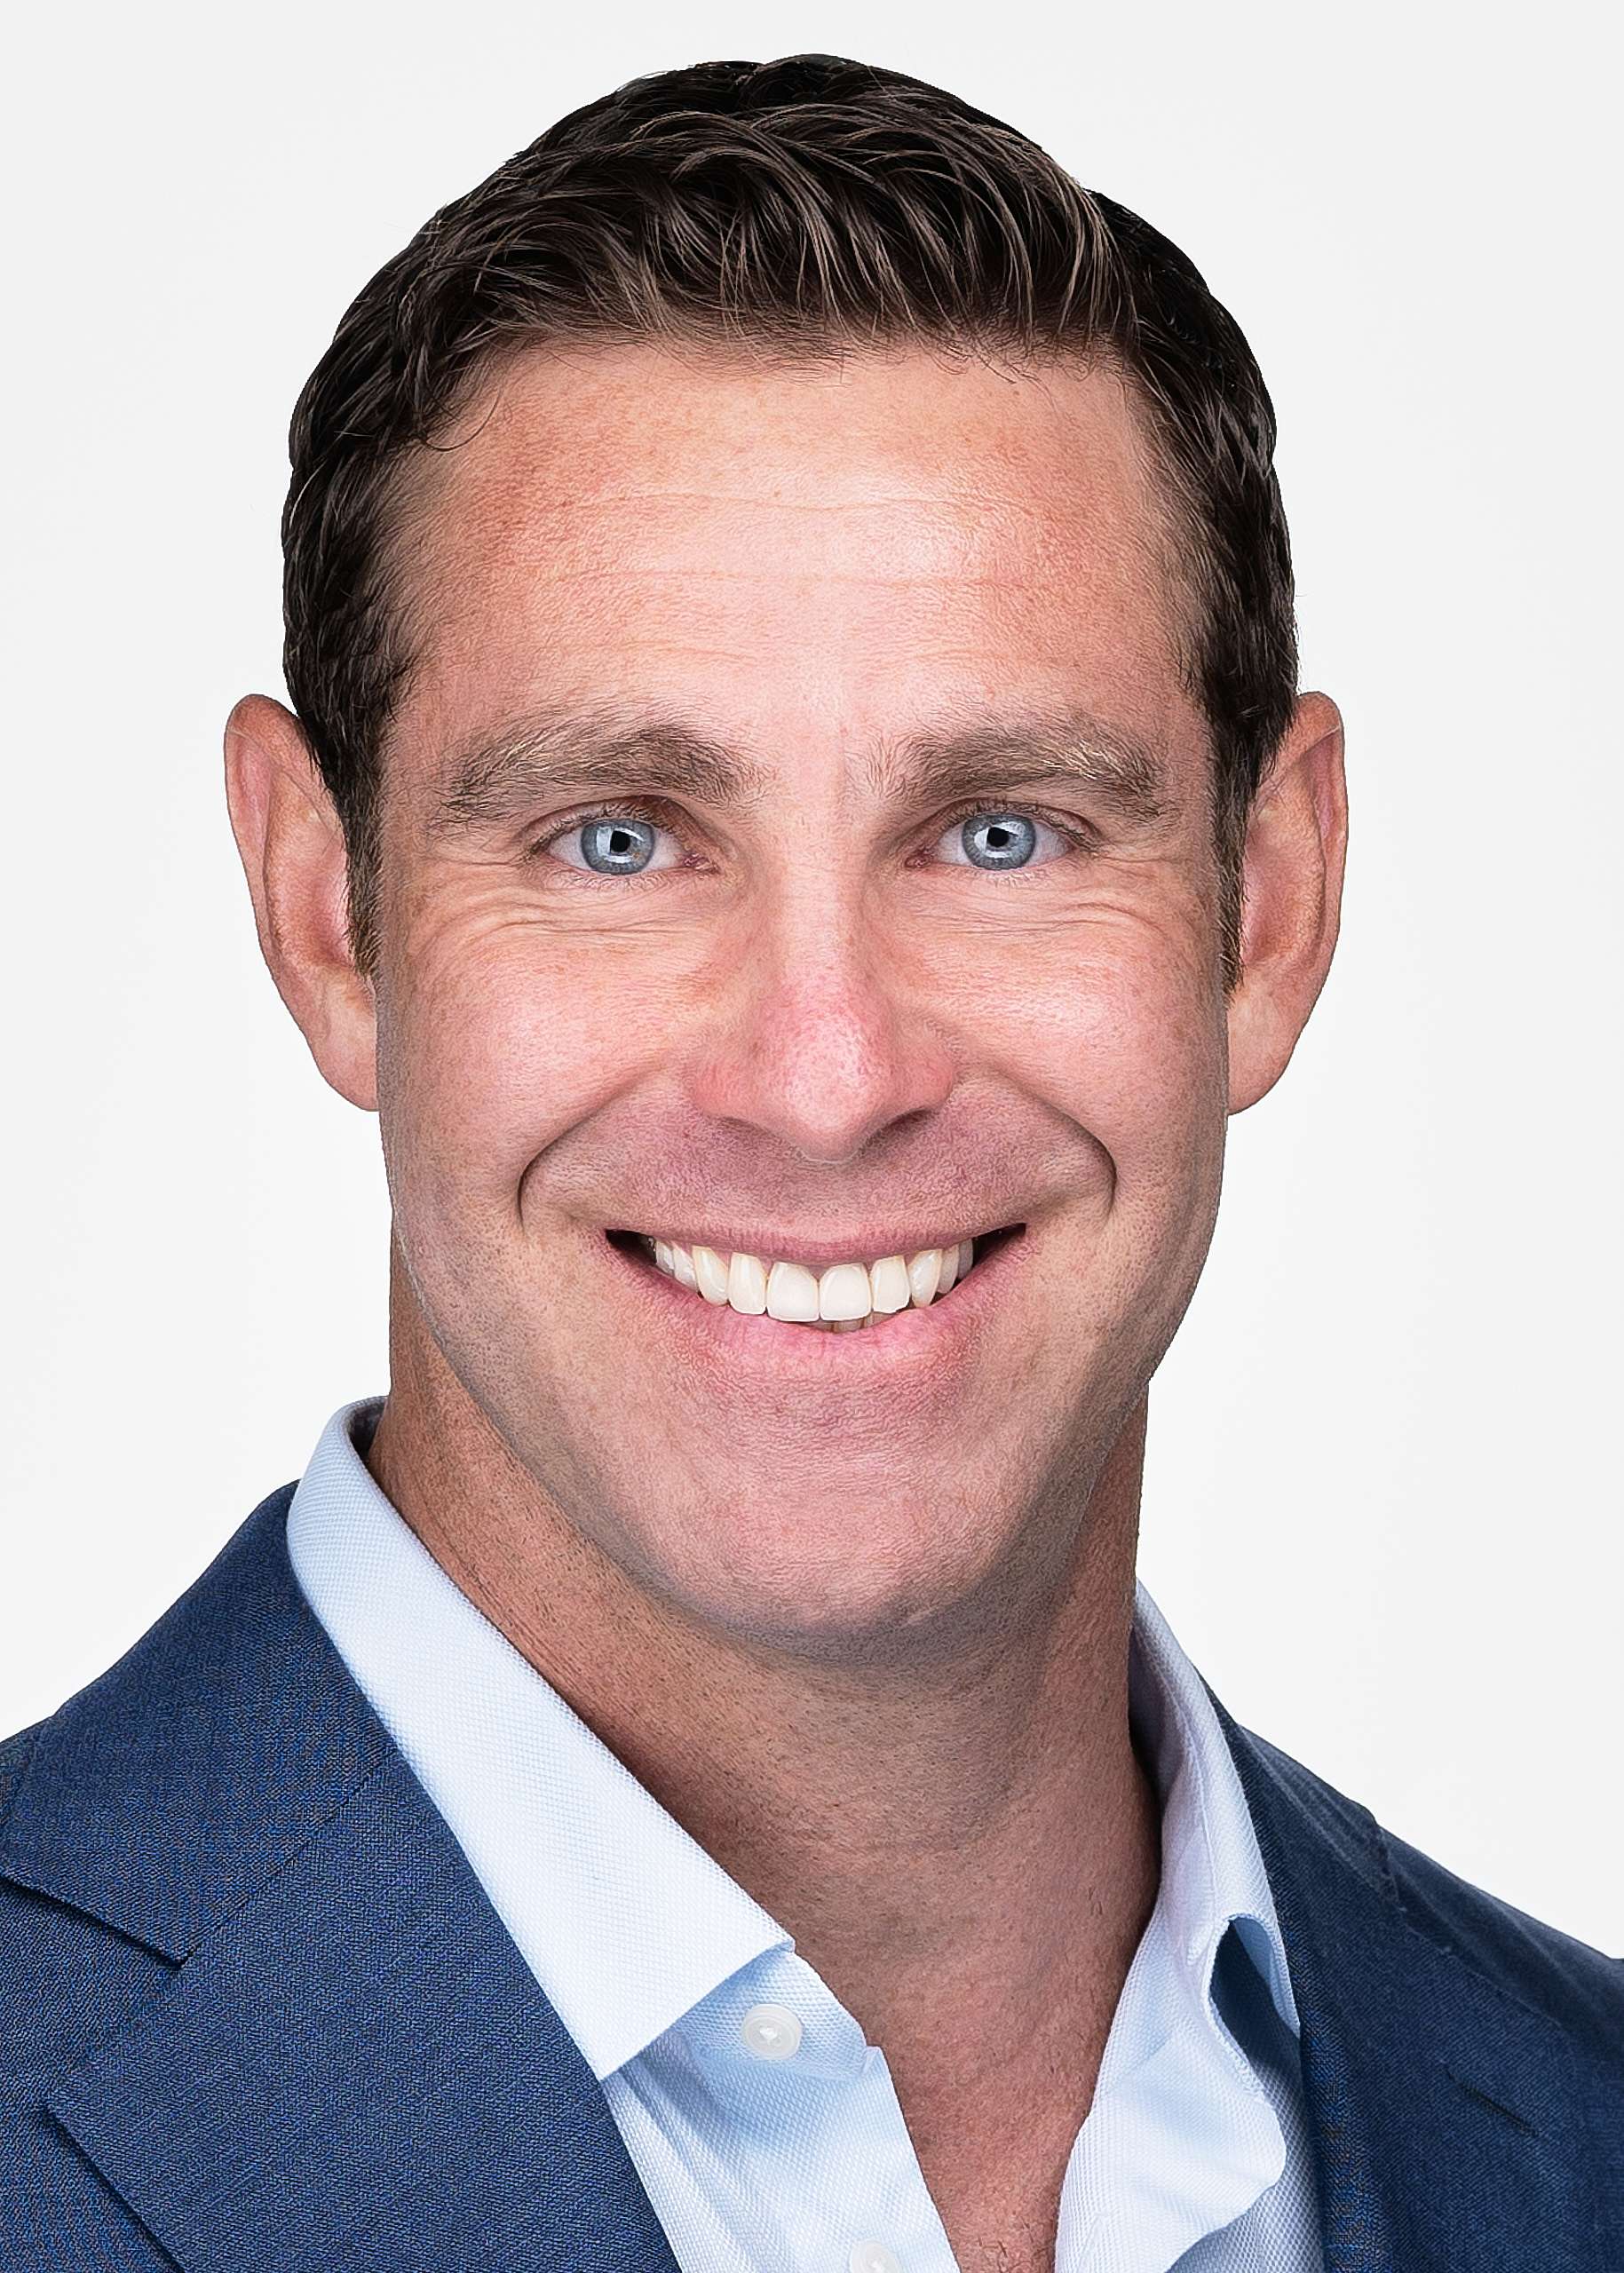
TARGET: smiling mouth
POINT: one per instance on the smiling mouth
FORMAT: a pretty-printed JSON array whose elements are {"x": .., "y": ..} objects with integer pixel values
[{"x": 845, "y": 1298}]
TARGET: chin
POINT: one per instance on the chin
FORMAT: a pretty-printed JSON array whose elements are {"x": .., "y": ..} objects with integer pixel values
[{"x": 837, "y": 1589}]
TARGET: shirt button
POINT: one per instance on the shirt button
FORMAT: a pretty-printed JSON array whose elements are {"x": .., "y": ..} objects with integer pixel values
[
  {"x": 874, "y": 2257},
  {"x": 773, "y": 2032}
]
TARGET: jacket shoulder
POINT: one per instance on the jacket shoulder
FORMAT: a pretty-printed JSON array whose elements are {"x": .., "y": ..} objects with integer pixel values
[
  {"x": 148, "y": 1805},
  {"x": 64, "y": 1979},
  {"x": 1548, "y": 1971},
  {"x": 15, "y": 1754},
  {"x": 1554, "y": 1973}
]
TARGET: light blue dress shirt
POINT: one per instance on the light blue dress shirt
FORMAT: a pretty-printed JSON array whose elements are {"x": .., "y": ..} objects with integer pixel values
[{"x": 765, "y": 2130}]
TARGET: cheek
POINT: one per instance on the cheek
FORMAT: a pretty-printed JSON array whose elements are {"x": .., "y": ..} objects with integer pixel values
[
  {"x": 493, "y": 1043},
  {"x": 1126, "y": 1042},
  {"x": 1113, "y": 1022},
  {"x": 1152, "y": 1049}
]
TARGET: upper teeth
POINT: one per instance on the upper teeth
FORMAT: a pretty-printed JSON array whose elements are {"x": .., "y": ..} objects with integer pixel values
[{"x": 846, "y": 1294}]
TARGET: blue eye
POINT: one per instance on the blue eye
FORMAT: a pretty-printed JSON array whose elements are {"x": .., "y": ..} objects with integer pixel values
[
  {"x": 994, "y": 838},
  {"x": 617, "y": 846},
  {"x": 999, "y": 840},
  {"x": 613, "y": 842},
  {"x": 619, "y": 841}
]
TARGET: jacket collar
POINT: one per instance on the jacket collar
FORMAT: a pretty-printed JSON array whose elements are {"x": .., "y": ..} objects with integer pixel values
[
  {"x": 1448, "y": 2115},
  {"x": 626, "y": 1922},
  {"x": 350, "y": 2064}
]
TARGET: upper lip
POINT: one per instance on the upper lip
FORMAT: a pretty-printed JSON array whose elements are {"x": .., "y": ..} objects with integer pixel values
[{"x": 816, "y": 1250}]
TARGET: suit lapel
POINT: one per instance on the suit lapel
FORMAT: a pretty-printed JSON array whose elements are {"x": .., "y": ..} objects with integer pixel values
[
  {"x": 350, "y": 2064},
  {"x": 357, "y": 2070},
  {"x": 1448, "y": 2115}
]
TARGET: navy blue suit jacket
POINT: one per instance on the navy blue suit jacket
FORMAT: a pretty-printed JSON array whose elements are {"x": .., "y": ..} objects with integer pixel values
[{"x": 257, "y": 2014}]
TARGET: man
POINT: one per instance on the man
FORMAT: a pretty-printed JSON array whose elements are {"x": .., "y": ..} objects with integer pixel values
[{"x": 796, "y": 813}]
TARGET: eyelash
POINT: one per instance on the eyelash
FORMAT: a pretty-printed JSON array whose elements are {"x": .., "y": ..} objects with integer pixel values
[{"x": 1074, "y": 832}]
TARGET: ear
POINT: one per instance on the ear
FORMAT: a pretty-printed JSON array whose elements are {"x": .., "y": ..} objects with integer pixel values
[
  {"x": 1296, "y": 852},
  {"x": 292, "y": 849}
]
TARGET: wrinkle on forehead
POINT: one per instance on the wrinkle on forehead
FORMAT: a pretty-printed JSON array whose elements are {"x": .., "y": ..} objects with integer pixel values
[
  {"x": 557, "y": 435},
  {"x": 579, "y": 483}
]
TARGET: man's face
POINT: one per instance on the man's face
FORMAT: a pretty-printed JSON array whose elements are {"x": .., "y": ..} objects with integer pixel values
[{"x": 803, "y": 1017}]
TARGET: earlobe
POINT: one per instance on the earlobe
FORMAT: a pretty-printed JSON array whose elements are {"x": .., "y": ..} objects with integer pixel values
[
  {"x": 291, "y": 846},
  {"x": 1296, "y": 856}
]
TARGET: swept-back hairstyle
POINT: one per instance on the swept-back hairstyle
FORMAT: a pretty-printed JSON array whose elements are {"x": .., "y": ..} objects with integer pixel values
[{"x": 804, "y": 207}]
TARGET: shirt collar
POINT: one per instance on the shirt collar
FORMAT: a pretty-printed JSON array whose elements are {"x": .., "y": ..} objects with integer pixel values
[
  {"x": 1212, "y": 1868},
  {"x": 625, "y": 1921}
]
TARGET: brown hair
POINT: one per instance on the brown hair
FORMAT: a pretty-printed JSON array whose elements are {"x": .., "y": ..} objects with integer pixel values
[{"x": 800, "y": 207}]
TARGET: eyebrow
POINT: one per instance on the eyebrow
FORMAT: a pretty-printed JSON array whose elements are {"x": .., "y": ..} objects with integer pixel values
[{"x": 500, "y": 780}]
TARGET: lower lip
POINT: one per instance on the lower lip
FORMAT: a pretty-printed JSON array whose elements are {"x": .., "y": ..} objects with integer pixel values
[{"x": 940, "y": 1334}]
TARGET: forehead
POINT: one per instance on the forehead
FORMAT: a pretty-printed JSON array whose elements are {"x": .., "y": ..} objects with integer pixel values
[{"x": 784, "y": 548}]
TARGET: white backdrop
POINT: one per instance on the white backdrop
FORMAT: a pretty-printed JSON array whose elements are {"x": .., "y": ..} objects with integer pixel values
[{"x": 1382, "y": 1509}]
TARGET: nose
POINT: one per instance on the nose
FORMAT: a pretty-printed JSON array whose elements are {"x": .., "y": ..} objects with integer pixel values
[{"x": 815, "y": 1044}]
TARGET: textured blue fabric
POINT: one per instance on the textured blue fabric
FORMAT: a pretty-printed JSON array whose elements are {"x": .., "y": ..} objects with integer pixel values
[
  {"x": 1193, "y": 2153},
  {"x": 1464, "y": 2062},
  {"x": 257, "y": 2016}
]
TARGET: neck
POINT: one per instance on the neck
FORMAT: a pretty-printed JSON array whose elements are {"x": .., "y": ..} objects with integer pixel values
[{"x": 965, "y": 1848}]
